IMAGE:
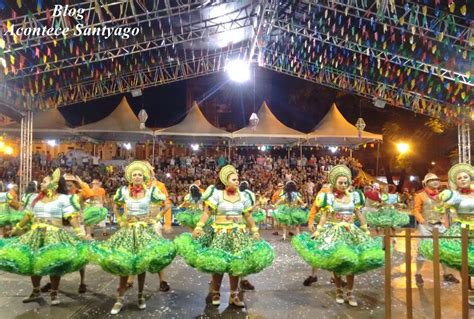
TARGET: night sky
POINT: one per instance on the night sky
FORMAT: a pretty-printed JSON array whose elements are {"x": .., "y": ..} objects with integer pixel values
[{"x": 297, "y": 103}]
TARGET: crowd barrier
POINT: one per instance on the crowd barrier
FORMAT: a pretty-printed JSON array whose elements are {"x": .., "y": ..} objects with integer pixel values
[{"x": 408, "y": 236}]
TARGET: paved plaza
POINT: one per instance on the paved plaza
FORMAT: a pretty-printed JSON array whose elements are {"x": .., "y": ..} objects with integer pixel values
[{"x": 279, "y": 293}]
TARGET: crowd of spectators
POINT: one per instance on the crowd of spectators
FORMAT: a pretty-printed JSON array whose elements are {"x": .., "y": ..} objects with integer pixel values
[{"x": 263, "y": 172}]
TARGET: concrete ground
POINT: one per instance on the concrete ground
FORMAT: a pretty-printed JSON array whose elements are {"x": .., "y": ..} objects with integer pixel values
[{"x": 279, "y": 293}]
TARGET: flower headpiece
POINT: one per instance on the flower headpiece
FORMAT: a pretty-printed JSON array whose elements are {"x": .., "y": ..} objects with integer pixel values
[
  {"x": 338, "y": 171},
  {"x": 459, "y": 168},
  {"x": 141, "y": 166},
  {"x": 54, "y": 184},
  {"x": 225, "y": 172}
]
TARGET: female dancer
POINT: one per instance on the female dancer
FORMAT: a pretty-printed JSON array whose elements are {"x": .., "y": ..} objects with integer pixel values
[
  {"x": 460, "y": 199},
  {"x": 225, "y": 246},
  {"x": 47, "y": 249},
  {"x": 135, "y": 248},
  {"x": 193, "y": 208},
  {"x": 289, "y": 210},
  {"x": 94, "y": 211},
  {"x": 388, "y": 215},
  {"x": 26, "y": 199},
  {"x": 257, "y": 213},
  {"x": 337, "y": 244},
  {"x": 82, "y": 192},
  {"x": 8, "y": 204}
]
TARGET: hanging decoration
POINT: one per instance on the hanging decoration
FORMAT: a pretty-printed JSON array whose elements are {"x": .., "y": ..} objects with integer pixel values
[
  {"x": 360, "y": 124},
  {"x": 396, "y": 52},
  {"x": 142, "y": 116},
  {"x": 254, "y": 121}
]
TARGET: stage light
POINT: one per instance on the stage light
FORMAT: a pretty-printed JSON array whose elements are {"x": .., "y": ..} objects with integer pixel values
[
  {"x": 136, "y": 92},
  {"x": 127, "y": 146},
  {"x": 412, "y": 178},
  {"x": 8, "y": 150},
  {"x": 403, "y": 148},
  {"x": 238, "y": 71},
  {"x": 51, "y": 143},
  {"x": 333, "y": 149},
  {"x": 195, "y": 147}
]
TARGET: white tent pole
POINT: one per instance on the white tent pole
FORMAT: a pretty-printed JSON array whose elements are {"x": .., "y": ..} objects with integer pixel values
[
  {"x": 377, "y": 165},
  {"x": 301, "y": 151},
  {"x": 153, "y": 153},
  {"x": 229, "y": 152}
]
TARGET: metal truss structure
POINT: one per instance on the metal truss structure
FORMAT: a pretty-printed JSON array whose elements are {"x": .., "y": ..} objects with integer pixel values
[
  {"x": 146, "y": 77},
  {"x": 464, "y": 143},
  {"x": 355, "y": 84},
  {"x": 26, "y": 151},
  {"x": 180, "y": 40},
  {"x": 360, "y": 48}
]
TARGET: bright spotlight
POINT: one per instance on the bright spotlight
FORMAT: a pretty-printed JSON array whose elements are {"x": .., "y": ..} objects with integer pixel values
[
  {"x": 263, "y": 148},
  {"x": 2, "y": 145},
  {"x": 333, "y": 149},
  {"x": 127, "y": 146},
  {"x": 8, "y": 150},
  {"x": 168, "y": 175},
  {"x": 195, "y": 147},
  {"x": 433, "y": 163},
  {"x": 51, "y": 143},
  {"x": 238, "y": 70},
  {"x": 412, "y": 178},
  {"x": 403, "y": 148}
]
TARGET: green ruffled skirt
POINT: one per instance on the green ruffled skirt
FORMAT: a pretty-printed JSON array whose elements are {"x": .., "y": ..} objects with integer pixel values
[
  {"x": 258, "y": 216},
  {"x": 11, "y": 217},
  {"x": 235, "y": 253},
  {"x": 189, "y": 217},
  {"x": 94, "y": 215},
  {"x": 4, "y": 214},
  {"x": 41, "y": 252},
  {"x": 340, "y": 248},
  {"x": 450, "y": 249},
  {"x": 132, "y": 251},
  {"x": 387, "y": 217},
  {"x": 290, "y": 216}
]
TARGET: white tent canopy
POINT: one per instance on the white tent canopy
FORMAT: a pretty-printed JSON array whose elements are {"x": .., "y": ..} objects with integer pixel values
[
  {"x": 335, "y": 130},
  {"x": 194, "y": 124},
  {"x": 268, "y": 131},
  {"x": 46, "y": 124},
  {"x": 122, "y": 124}
]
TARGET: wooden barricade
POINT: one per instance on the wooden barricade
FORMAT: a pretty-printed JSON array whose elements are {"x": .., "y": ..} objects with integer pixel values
[{"x": 436, "y": 272}]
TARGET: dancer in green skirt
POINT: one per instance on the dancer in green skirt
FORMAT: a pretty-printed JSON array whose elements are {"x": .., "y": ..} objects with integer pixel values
[
  {"x": 47, "y": 249},
  {"x": 8, "y": 205},
  {"x": 290, "y": 209},
  {"x": 337, "y": 244},
  {"x": 192, "y": 205},
  {"x": 226, "y": 245},
  {"x": 135, "y": 248}
]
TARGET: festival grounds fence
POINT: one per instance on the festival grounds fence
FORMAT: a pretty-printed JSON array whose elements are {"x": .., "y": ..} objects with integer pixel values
[{"x": 465, "y": 278}]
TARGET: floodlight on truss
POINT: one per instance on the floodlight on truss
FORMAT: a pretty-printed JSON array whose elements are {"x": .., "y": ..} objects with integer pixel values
[{"x": 238, "y": 70}]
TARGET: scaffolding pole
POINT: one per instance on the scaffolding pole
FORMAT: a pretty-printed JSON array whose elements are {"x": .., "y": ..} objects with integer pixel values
[
  {"x": 26, "y": 149},
  {"x": 464, "y": 143}
]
